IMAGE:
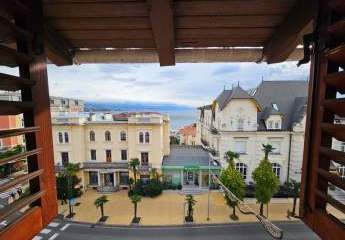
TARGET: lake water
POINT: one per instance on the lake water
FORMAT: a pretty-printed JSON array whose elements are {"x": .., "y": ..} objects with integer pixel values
[{"x": 179, "y": 115}]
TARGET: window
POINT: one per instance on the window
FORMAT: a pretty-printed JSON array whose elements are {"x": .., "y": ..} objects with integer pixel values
[
  {"x": 270, "y": 124},
  {"x": 64, "y": 158},
  {"x": 141, "y": 137},
  {"x": 241, "y": 147},
  {"x": 242, "y": 168},
  {"x": 108, "y": 155},
  {"x": 342, "y": 146},
  {"x": 275, "y": 106},
  {"x": 107, "y": 136},
  {"x": 93, "y": 178},
  {"x": 240, "y": 124},
  {"x": 123, "y": 136},
  {"x": 66, "y": 137},
  {"x": 51, "y": 101},
  {"x": 341, "y": 171},
  {"x": 93, "y": 154},
  {"x": 124, "y": 178},
  {"x": 124, "y": 155},
  {"x": 60, "y": 137},
  {"x": 63, "y": 102},
  {"x": 92, "y": 136},
  {"x": 144, "y": 158},
  {"x": 76, "y": 102},
  {"x": 277, "y": 125},
  {"x": 276, "y": 147},
  {"x": 276, "y": 169},
  {"x": 147, "y": 137}
]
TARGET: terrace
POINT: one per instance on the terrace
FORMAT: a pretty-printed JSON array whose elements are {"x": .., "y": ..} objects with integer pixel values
[{"x": 65, "y": 32}]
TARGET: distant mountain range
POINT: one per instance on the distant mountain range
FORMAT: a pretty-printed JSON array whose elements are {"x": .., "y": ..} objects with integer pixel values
[{"x": 133, "y": 106}]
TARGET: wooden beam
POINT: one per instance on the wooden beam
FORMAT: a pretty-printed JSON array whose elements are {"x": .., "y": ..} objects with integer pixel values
[
  {"x": 289, "y": 34},
  {"x": 58, "y": 50},
  {"x": 182, "y": 55},
  {"x": 162, "y": 23}
]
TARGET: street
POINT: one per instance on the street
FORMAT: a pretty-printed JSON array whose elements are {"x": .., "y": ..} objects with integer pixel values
[{"x": 243, "y": 231}]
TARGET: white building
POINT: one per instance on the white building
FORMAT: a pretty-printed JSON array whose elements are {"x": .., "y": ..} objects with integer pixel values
[{"x": 242, "y": 122}]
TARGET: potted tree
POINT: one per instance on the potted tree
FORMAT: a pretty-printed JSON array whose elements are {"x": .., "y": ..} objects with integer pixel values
[
  {"x": 99, "y": 203},
  {"x": 135, "y": 199},
  {"x": 190, "y": 208}
]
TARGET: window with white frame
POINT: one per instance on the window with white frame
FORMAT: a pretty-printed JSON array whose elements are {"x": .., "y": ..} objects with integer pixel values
[
  {"x": 240, "y": 125},
  {"x": 241, "y": 146},
  {"x": 276, "y": 145},
  {"x": 64, "y": 158},
  {"x": 270, "y": 124},
  {"x": 242, "y": 168},
  {"x": 141, "y": 137},
  {"x": 341, "y": 171},
  {"x": 342, "y": 146},
  {"x": 123, "y": 136},
  {"x": 60, "y": 137},
  {"x": 66, "y": 137},
  {"x": 147, "y": 137},
  {"x": 124, "y": 154},
  {"x": 107, "y": 136},
  {"x": 277, "y": 125},
  {"x": 92, "y": 136},
  {"x": 276, "y": 169}
]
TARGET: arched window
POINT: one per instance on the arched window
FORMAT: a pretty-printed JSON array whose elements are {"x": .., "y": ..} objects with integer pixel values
[
  {"x": 123, "y": 136},
  {"x": 107, "y": 136},
  {"x": 92, "y": 136},
  {"x": 276, "y": 169},
  {"x": 242, "y": 168},
  {"x": 147, "y": 137},
  {"x": 66, "y": 137},
  {"x": 60, "y": 136},
  {"x": 141, "y": 137}
]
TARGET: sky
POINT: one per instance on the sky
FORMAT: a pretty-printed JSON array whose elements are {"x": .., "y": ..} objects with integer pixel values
[{"x": 190, "y": 84}]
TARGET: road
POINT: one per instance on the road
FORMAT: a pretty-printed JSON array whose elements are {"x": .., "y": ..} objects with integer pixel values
[{"x": 244, "y": 231}]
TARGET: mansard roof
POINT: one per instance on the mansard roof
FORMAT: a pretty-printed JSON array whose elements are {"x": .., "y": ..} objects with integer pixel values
[
  {"x": 289, "y": 96},
  {"x": 236, "y": 93}
]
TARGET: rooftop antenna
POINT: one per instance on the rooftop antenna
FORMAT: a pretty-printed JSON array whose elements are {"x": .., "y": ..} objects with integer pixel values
[
  {"x": 224, "y": 88},
  {"x": 262, "y": 78}
]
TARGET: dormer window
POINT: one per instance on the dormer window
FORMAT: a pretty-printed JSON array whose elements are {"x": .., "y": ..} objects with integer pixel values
[
  {"x": 270, "y": 124},
  {"x": 275, "y": 106}
]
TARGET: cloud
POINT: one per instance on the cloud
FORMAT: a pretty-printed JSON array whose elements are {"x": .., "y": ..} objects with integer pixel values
[
  {"x": 192, "y": 84},
  {"x": 226, "y": 69}
]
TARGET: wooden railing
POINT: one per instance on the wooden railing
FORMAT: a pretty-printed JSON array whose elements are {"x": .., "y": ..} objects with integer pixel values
[{"x": 22, "y": 46}]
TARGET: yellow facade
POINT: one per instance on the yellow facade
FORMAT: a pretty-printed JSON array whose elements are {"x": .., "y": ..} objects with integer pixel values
[{"x": 154, "y": 128}]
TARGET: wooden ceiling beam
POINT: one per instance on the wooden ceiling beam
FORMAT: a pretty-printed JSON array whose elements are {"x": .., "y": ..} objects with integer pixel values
[
  {"x": 58, "y": 50},
  {"x": 162, "y": 23},
  {"x": 289, "y": 34}
]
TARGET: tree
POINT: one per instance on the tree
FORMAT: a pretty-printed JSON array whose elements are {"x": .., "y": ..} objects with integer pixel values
[
  {"x": 294, "y": 188},
  {"x": 133, "y": 164},
  {"x": 233, "y": 180},
  {"x": 230, "y": 158},
  {"x": 267, "y": 149},
  {"x": 67, "y": 182},
  {"x": 266, "y": 183},
  {"x": 154, "y": 174},
  {"x": 135, "y": 199},
  {"x": 99, "y": 203},
  {"x": 190, "y": 208}
]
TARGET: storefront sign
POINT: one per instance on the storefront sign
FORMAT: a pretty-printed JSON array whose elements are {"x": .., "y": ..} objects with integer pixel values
[{"x": 191, "y": 168}]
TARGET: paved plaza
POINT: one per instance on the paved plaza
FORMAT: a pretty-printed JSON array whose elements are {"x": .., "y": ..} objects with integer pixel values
[{"x": 168, "y": 209}]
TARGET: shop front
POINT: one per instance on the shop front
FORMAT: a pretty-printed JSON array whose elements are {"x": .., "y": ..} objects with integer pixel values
[{"x": 188, "y": 167}]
